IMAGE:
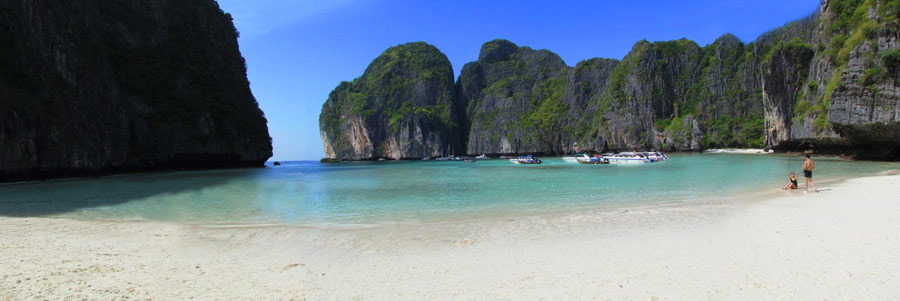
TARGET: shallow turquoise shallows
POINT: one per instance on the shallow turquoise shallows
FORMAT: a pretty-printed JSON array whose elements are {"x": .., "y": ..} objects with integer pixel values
[{"x": 409, "y": 191}]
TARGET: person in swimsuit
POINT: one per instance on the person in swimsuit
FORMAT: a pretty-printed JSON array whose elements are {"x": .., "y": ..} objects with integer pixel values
[
  {"x": 808, "y": 167},
  {"x": 793, "y": 184}
]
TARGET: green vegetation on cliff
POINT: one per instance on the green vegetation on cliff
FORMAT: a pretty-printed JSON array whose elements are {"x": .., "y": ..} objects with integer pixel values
[
  {"x": 551, "y": 108},
  {"x": 891, "y": 61},
  {"x": 408, "y": 86},
  {"x": 848, "y": 26},
  {"x": 615, "y": 92},
  {"x": 522, "y": 99}
]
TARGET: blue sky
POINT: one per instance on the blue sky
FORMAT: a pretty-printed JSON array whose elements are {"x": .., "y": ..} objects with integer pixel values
[{"x": 298, "y": 51}]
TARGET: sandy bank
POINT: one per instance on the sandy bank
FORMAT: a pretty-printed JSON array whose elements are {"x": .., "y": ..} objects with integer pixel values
[{"x": 839, "y": 244}]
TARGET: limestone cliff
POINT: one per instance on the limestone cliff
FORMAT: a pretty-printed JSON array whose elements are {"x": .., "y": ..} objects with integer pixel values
[
  {"x": 864, "y": 90},
  {"x": 586, "y": 82},
  {"x": 826, "y": 83},
  {"x": 520, "y": 103},
  {"x": 103, "y": 86},
  {"x": 402, "y": 107},
  {"x": 843, "y": 96}
]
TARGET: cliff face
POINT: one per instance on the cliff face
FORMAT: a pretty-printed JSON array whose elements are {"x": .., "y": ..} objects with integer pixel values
[
  {"x": 671, "y": 95},
  {"x": 826, "y": 83},
  {"x": 102, "y": 86},
  {"x": 585, "y": 84},
  {"x": 864, "y": 104},
  {"x": 520, "y": 103},
  {"x": 785, "y": 71},
  {"x": 404, "y": 106},
  {"x": 649, "y": 85},
  {"x": 842, "y": 97}
]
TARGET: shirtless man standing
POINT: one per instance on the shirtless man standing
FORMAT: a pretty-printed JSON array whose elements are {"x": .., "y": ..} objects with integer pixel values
[{"x": 808, "y": 167}]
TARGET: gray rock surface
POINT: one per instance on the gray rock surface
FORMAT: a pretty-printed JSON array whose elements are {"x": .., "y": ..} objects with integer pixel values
[{"x": 92, "y": 87}]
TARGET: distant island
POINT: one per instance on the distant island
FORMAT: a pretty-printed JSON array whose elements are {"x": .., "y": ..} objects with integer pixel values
[
  {"x": 827, "y": 83},
  {"x": 112, "y": 86}
]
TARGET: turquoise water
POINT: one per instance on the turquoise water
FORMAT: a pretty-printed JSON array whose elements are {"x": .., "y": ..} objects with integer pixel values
[{"x": 408, "y": 191}]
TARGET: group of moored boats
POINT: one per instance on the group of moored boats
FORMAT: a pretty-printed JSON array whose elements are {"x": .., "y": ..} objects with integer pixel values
[
  {"x": 607, "y": 158},
  {"x": 455, "y": 158},
  {"x": 620, "y": 158}
]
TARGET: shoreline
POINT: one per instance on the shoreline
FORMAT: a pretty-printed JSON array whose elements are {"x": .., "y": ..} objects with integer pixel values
[
  {"x": 835, "y": 244},
  {"x": 738, "y": 197}
]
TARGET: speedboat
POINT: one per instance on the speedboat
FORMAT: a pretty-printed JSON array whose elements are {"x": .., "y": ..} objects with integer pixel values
[
  {"x": 585, "y": 159},
  {"x": 573, "y": 158},
  {"x": 661, "y": 156},
  {"x": 483, "y": 156},
  {"x": 627, "y": 158},
  {"x": 525, "y": 160},
  {"x": 655, "y": 156},
  {"x": 652, "y": 156}
]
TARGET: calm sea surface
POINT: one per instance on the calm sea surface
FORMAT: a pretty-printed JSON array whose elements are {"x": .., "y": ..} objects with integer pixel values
[{"x": 408, "y": 191}]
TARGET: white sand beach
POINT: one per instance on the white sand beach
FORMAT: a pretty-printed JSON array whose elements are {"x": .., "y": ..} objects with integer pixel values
[{"x": 842, "y": 243}]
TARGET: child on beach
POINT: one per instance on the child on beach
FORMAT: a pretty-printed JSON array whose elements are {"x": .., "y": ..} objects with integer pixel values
[{"x": 793, "y": 184}]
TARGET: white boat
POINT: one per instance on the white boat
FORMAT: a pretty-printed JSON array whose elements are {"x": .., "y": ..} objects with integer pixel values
[
  {"x": 483, "y": 156},
  {"x": 627, "y": 158},
  {"x": 653, "y": 156},
  {"x": 662, "y": 156},
  {"x": 656, "y": 156},
  {"x": 525, "y": 160},
  {"x": 573, "y": 158},
  {"x": 585, "y": 159}
]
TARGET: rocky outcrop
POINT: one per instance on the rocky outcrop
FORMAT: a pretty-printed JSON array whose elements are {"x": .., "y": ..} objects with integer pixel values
[
  {"x": 404, "y": 106},
  {"x": 586, "y": 82},
  {"x": 520, "y": 103},
  {"x": 104, "y": 86},
  {"x": 865, "y": 106},
  {"x": 848, "y": 104},
  {"x": 683, "y": 134},
  {"x": 650, "y": 84},
  {"x": 605, "y": 104},
  {"x": 825, "y": 83},
  {"x": 784, "y": 73}
]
